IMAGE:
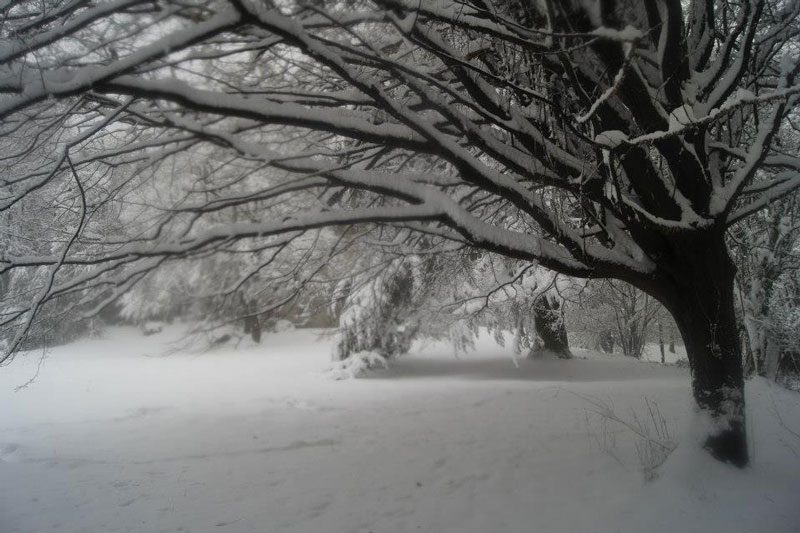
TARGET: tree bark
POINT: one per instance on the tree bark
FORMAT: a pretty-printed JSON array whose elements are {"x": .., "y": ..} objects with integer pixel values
[
  {"x": 252, "y": 325},
  {"x": 550, "y": 327},
  {"x": 606, "y": 342},
  {"x": 701, "y": 300}
]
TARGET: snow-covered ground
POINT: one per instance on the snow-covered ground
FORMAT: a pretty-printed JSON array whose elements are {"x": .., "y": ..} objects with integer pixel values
[{"x": 117, "y": 435}]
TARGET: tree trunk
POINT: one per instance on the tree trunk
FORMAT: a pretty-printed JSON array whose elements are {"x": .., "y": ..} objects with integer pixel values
[
  {"x": 606, "y": 342},
  {"x": 631, "y": 339},
  {"x": 702, "y": 302},
  {"x": 550, "y": 327},
  {"x": 252, "y": 325}
]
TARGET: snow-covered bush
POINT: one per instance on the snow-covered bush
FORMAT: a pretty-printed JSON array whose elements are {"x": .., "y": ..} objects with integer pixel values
[
  {"x": 59, "y": 321},
  {"x": 282, "y": 325},
  {"x": 356, "y": 364},
  {"x": 152, "y": 328},
  {"x": 257, "y": 290},
  {"x": 378, "y": 315},
  {"x": 450, "y": 296}
]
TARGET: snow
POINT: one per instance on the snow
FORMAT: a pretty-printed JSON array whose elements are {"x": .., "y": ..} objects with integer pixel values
[
  {"x": 356, "y": 364},
  {"x": 763, "y": 498},
  {"x": 611, "y": 138},
  {"x": 652, "y": 353},
  {"x": 134, "y": 433},
  {"x": 628, "y": 33},
  {"x": 681, "y": 117}
]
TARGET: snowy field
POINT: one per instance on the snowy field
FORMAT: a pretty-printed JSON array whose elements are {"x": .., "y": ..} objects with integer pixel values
[{"x": 131, "y": 434}]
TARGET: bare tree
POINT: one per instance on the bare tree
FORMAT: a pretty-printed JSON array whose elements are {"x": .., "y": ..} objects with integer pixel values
[
  {"x": 767, "y": 252},
  {"x": 634, "y": 313},
  {"x": 606, "y": 138}
]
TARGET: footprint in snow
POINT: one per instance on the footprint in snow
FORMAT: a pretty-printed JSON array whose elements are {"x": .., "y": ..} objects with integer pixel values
[
  {"x": 140, "y": 412},
  {"x": 7, "y": 450}
]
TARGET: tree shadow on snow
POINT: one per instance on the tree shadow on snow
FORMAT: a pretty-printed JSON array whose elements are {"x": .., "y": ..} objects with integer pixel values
[{"x": 504, "y": 369}]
